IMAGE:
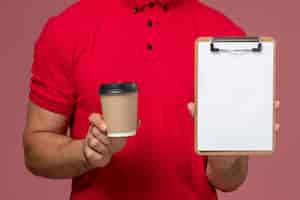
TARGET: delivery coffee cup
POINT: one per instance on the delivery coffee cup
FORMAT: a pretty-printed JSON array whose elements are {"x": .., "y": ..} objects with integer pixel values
[{"x": 119, "y": 108}]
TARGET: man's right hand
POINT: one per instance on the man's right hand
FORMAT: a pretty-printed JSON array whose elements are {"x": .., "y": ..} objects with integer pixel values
[
  {"x": 97, "y": 147},
  {"x": 49, "y": 152}
]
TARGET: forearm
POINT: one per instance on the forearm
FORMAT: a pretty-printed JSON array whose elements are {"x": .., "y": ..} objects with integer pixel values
[
  {"x": 54, "y": 156},
  {"x": 227, "y": 173}
]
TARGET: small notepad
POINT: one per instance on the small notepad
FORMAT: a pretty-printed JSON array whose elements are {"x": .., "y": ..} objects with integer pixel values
[{"x": 235, "y": 90}]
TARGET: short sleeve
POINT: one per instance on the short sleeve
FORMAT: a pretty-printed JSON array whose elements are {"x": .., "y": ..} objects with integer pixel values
[
  {"x": 211, "y": 22},
  {"x": 51, "y": 85},
  {"x": 226, "y": 27}
]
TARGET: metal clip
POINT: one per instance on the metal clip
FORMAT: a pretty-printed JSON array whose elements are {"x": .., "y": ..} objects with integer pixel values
[{"x": 236, "y": 39}]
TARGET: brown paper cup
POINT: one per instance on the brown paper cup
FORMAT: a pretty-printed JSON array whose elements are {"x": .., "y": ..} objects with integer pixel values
[{"x": 119, "y": 103}]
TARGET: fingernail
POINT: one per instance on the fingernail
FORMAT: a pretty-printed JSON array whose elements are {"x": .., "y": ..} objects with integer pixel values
[{"x": 103, "y": 127}]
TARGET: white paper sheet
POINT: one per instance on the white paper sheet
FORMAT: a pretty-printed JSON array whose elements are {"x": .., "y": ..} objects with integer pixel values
[{"x": 235, "y": 98}]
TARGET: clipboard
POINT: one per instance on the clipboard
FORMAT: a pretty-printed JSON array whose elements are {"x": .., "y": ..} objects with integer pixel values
[{"x": 235, "y": 95}]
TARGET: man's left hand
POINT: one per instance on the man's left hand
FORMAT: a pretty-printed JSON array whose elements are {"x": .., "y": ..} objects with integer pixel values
[{"x": 227, "y": 173}]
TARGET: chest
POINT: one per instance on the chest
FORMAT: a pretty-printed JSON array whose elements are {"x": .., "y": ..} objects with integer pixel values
[{"x": 150, "y": 49}]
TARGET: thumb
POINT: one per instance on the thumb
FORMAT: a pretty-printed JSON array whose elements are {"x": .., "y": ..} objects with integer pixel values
[{"x": 191, "y": 108}]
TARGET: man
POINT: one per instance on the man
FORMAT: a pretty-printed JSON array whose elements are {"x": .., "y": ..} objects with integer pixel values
[{"x": 151, "y": 43}]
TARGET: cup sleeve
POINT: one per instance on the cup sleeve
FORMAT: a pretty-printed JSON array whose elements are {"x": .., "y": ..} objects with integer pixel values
[{"x": 51, "y": 83}]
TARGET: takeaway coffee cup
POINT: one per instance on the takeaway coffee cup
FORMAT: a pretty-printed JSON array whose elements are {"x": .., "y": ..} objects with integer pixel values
[{"x": 119, "y": 108}]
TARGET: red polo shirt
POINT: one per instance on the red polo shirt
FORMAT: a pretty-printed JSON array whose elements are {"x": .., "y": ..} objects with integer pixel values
[{"x": 96, "y": 41}]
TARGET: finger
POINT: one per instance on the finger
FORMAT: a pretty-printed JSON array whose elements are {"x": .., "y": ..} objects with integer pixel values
[
  {"x": 139, "y": 123},
  {"x": 97, "y": 146},
  {"x": 100, "y": 136},
  {"x": 277, "y": 104},
  {"x": 191, "y": 108},
  {"x": 277, "y": 127},
  {"x": 97, "y": 120},
  {"x": 92, "y": 155}
]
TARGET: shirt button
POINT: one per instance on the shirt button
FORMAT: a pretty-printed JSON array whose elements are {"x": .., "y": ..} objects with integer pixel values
[
  {"x": 165, "y": 7},
  {"x": 151, "y": 4},
  {"x": 149, "y": 23},
  {"x": 135, "y": 10},
  {"x": 149, "y": 47}
]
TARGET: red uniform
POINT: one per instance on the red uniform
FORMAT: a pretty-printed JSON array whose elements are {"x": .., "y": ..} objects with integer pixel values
[{"x": 97, "y": 41}]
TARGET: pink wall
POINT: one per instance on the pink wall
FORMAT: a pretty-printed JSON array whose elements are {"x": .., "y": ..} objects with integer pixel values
[{"x": 272, "y": 177}]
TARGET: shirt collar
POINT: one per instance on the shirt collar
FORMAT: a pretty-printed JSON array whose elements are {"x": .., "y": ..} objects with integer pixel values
[{"x": 143, "y": 3}]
